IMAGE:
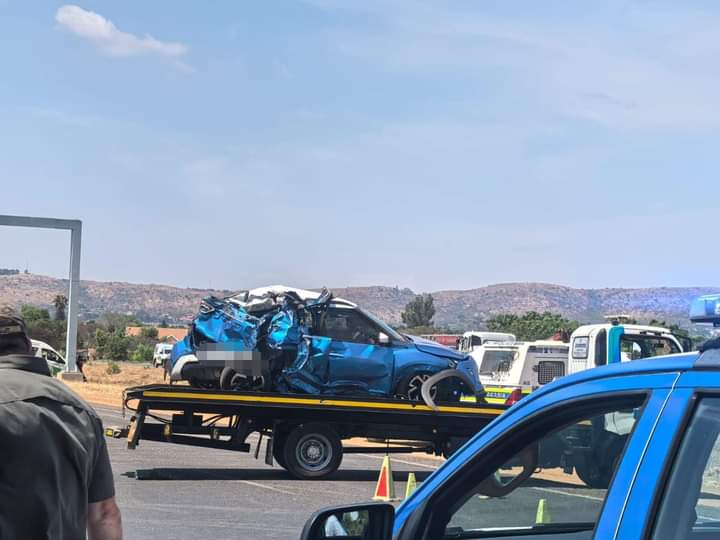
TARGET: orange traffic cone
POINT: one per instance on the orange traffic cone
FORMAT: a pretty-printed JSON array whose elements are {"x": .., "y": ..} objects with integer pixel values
[{"x": 385, "y": 488}]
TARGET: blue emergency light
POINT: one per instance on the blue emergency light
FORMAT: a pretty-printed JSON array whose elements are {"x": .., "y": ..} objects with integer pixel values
[{"x": 706, "y": 309}]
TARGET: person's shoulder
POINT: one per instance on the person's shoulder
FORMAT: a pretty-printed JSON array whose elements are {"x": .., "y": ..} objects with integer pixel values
[{"x": 70, "y": 397}]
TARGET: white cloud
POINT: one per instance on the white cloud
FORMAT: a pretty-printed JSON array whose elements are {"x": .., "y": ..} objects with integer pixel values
[
  {"x": 109, "y": 39},
  {"x": 648, "y": 71}
]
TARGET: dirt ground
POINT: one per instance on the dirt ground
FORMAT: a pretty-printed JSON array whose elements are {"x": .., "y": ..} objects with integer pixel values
[{"x": 105, "y": 388}]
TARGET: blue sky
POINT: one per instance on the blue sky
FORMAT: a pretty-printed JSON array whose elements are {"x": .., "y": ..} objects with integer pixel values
[{"x": 430, "y": 145}]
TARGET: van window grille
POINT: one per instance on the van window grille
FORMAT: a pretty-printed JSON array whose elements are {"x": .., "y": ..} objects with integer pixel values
[{"x": 547, "y": 371}]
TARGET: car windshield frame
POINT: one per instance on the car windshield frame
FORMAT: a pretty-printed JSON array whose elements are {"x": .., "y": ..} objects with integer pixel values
[{"x": 385, "y": 327}]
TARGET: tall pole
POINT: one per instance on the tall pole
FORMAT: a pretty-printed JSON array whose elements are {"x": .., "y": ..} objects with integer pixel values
[{"x": 74, "y": 295}]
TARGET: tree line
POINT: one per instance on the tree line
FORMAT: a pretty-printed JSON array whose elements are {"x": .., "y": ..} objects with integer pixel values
[
  {"x": 417, "y": 318},
  {"x": 106, "y": 335}
]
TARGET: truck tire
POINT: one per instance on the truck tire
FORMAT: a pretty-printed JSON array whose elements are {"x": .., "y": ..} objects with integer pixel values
[
  {"x": 226, "y": 378},
  {"x": 279, "y": 440},
  {"x": 596, "y": 469},
  {"x": 312, "y": 451}
]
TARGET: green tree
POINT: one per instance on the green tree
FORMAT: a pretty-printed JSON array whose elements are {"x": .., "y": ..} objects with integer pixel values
[
  {"x": 142, "y": 353},
  {"x": 60, "y": 302},
  {"x": 33, "y": 313},
  {"x": 164, "y": 323},
  {"x": 112, "y": 345},
  {"x": 149, "y": 332},
  {"x": 118, "y": 321},
  {"x": 419, "y": 311},
  {"x": 531, "y": 325}
]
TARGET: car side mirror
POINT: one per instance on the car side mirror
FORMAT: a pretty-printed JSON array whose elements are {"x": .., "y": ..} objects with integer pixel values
[
  {"x": 371, "y": 521},
  {"x": 383, "y": 339}
]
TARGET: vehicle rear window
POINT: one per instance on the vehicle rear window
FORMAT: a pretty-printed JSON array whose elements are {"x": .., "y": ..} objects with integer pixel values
[{"x": 494, "y": 361}]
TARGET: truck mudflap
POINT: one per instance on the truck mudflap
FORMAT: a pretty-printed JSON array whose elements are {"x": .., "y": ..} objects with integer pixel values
[{"x": 435, "y": 379}]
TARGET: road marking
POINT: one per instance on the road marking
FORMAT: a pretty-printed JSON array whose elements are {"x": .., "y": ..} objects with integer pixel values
[
  {"x": 413, "y": 463},
  {"x": 256, "y": 484},
  {"x": 560, "y": 492}
]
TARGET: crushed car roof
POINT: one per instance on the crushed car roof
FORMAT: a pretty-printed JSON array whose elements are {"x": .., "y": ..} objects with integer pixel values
[{"x": 277, "y": 290}]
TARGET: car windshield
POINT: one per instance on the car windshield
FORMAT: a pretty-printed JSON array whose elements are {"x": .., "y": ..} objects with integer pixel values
[
  {"x": 495, "y": 360},
  {"x": 387, "y": 329}
]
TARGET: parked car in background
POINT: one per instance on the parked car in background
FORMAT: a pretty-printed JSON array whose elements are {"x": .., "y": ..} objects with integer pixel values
[
  {"x": 161, "y": 354},
  {"x": 310, "y": 342},
  {"x": 54, "y": 359},
  {"x": 469, "y": 341}
]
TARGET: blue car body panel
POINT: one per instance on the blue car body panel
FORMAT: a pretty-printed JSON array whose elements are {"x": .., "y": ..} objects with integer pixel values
[{"x": 670, "y": 382}]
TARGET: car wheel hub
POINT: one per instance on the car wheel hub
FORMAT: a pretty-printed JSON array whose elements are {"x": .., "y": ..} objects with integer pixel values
[{"x": 415, "y": 387}]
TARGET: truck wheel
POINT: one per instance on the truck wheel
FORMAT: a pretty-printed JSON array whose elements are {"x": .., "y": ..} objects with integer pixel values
[
  {"x": 279, "y": 442},
  {"x": 594, "y": 473},
  {"x": 312, "y": 451}
]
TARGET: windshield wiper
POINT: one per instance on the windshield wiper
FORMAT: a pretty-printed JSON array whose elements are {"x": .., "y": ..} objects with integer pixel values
[{"x": 498, "y": 532}]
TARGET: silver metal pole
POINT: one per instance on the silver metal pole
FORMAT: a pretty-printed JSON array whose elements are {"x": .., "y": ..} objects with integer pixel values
[{"x": 74, "y": 295}]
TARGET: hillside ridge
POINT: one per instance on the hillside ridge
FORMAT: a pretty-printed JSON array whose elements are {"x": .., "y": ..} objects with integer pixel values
[{"x": 455, "y": 308}]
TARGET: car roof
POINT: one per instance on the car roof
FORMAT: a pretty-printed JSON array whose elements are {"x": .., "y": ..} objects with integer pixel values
[{"x": 669, "y": 363}]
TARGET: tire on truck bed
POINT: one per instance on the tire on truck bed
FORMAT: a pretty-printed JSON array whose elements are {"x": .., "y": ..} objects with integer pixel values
[{"x": 312, "y": 451}]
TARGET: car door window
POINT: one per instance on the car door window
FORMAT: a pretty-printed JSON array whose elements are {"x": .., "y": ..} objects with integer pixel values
[
  {"x": 556, "y": 483},
  {"x": 52, "y": 357},
  {"x": 690, "y": 506},
  {"x": 348, "y": 325}
]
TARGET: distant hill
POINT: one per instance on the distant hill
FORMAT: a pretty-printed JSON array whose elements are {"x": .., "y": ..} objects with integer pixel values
[{"x": 457, "y": 309}]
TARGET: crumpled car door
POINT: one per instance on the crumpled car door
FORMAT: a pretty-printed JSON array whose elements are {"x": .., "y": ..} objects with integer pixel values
[{"x": 356, "y": 358}]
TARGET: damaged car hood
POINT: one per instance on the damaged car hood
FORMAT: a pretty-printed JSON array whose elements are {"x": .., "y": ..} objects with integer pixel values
[{"x": 431, "y": 347}]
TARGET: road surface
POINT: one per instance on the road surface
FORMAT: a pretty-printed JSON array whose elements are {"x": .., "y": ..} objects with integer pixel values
[{"x": 201, "y": 493}]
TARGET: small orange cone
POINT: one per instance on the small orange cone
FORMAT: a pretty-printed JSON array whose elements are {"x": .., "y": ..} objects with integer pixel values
[
  {"x": 411, "y": 485},
  {"x": 385, "y": 488}
]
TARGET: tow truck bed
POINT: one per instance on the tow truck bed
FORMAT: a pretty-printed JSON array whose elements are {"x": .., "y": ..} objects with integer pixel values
[{"x": 304, "y": 433}]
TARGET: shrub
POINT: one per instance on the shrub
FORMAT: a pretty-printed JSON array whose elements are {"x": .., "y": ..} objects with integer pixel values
[
  {"x": 113, "y": 368},
  {"x": 142, "y": 353}
]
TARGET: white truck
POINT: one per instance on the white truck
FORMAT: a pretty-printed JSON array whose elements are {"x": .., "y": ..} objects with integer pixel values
[
  {"x": 54, "y": 359},
  {"x": 600, "y": 344},
  {"x": 161, "y": 354},
  {"x": 510, "y": 370},
  {"x": 471, "y": 340}
]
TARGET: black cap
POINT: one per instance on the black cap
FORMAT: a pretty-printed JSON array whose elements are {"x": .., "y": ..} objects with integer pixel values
[{"x": 11, "y": 323}]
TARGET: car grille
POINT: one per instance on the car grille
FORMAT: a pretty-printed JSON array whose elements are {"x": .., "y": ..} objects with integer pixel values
[{"x": 547, "y": 371}]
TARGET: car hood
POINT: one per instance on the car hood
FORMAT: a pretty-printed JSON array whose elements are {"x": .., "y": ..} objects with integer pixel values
[{"x": 431, "y": 347}]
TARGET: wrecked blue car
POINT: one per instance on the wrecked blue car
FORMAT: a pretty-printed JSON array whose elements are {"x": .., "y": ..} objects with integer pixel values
[{"x": 282, "y": 339}]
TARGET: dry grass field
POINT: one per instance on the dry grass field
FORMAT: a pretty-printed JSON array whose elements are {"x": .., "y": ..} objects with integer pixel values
[{"x": 105, "y": 388}]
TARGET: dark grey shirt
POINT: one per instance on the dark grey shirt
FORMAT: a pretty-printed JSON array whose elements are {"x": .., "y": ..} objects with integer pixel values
[{"x": 53, "y": 457}]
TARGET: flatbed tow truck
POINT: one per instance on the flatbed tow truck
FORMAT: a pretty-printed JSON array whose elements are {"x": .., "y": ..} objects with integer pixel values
[{"x": 303, "y": 433}]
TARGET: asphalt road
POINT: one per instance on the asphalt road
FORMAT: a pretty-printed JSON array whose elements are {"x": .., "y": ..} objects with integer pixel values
[{"x": 200, "y": 493}]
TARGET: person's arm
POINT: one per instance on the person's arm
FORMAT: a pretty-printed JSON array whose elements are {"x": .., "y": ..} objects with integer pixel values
[{"x": 104, "y": 522}]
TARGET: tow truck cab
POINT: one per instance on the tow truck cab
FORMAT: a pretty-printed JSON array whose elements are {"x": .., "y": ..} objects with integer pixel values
[{"x": 595, "y": 345}]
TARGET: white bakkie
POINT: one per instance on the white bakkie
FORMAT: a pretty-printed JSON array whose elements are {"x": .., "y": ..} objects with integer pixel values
[{"x": 510, "y": 370}]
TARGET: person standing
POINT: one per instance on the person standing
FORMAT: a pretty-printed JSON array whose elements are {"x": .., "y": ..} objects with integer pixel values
[{"x": 55, "y": 476}]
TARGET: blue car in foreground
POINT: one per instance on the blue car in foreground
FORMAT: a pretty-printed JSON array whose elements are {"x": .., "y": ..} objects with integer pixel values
[{"x": 624, "y": 451}]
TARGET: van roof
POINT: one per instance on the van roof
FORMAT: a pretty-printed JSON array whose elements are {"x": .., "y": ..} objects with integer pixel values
[{"x": 587, "y": 328}]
